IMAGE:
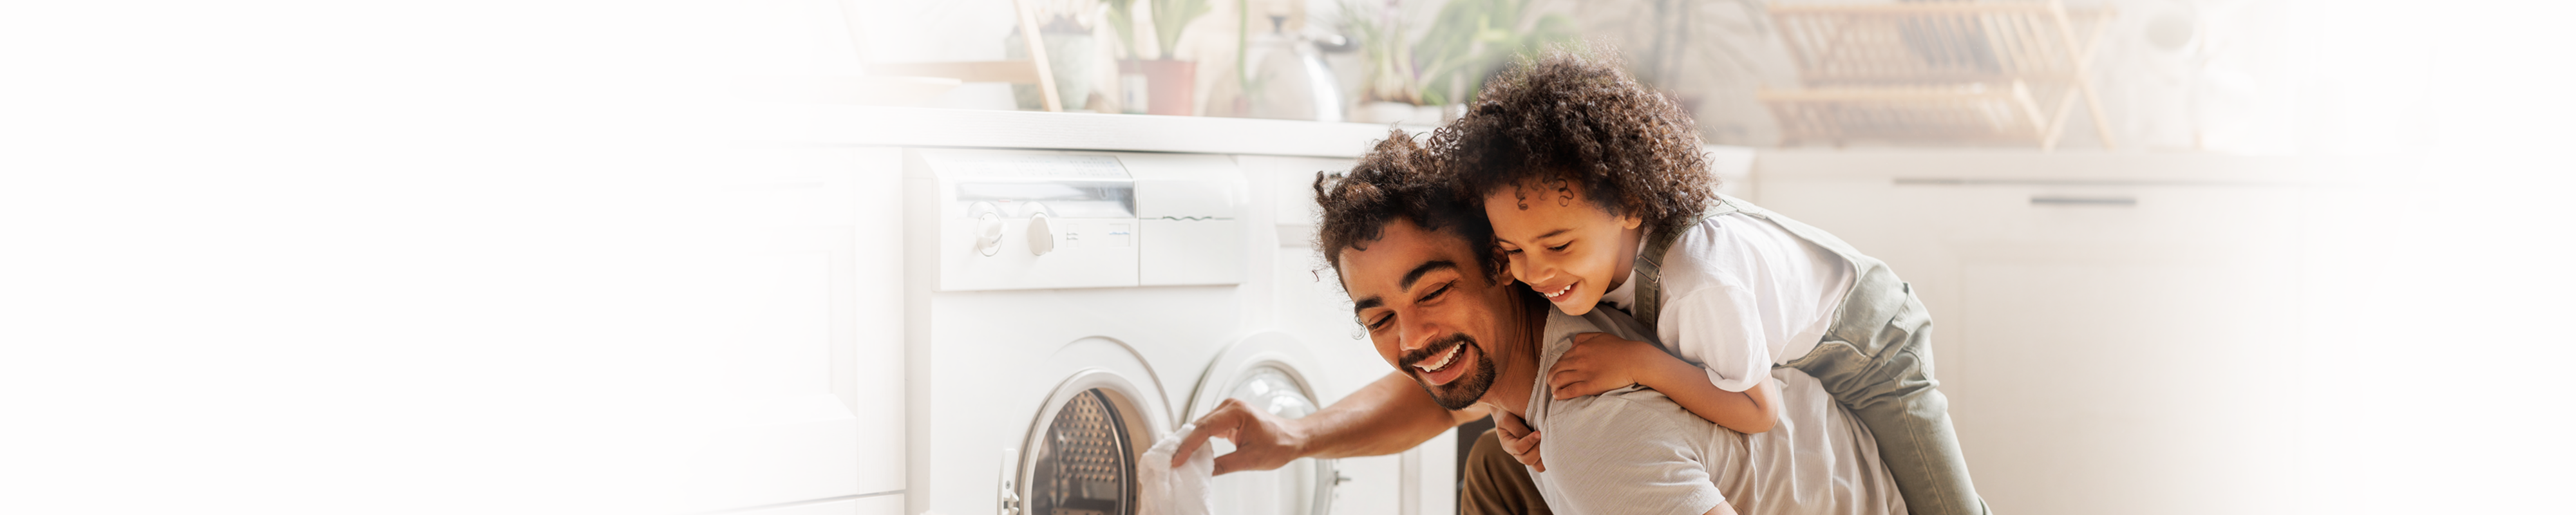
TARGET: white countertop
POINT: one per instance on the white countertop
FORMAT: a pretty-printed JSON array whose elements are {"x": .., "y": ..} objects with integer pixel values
[
  {"x": 922, "y": 127},
  {"x": 838, "y": 125},
  {"x": 2022, "y": 166}
]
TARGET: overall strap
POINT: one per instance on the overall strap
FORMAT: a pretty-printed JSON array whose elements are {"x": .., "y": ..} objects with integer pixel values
[{"x": 1650, "y": 265}]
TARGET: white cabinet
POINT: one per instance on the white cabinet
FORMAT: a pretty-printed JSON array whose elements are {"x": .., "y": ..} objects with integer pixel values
[
  {"x": 2114, "y": 338},
  {"x": 807, "y": 401}
]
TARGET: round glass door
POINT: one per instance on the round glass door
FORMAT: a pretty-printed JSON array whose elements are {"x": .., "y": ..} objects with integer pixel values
[
  {"x": 1302, "y": 487},
  {"x": 1085, "y": 463}
]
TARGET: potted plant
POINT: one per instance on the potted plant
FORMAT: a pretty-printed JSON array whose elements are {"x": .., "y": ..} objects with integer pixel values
[
  {"x": 1408, "y": 81},
  {"x": 1069, "y": 48},
  {"x": 1473, "y": 39},
  {"x": 1166, "y": 81},
  {"x": 1388, "y": 92}
]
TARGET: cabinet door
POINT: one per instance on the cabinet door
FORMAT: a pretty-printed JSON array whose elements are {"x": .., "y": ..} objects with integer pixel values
[
  {"x": 2111, "y": 384},
  {"x": 805, "y": 401},
  {"x": 2106, "y": 348}
]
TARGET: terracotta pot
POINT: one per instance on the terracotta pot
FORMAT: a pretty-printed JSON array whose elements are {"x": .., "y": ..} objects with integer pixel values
[{"x": 1170, "y": 85}]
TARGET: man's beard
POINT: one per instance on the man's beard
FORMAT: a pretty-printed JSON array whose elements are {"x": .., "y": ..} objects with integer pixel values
[{"x": 1467, "y": 388}]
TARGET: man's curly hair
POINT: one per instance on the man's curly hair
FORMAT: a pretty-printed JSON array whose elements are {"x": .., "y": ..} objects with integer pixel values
[
  {"x": 1397, "y": 179},
  {"x": 1573, "y": 116}
]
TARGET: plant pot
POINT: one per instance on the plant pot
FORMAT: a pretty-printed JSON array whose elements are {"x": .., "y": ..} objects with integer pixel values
[
  {"x": 1170, "y": 86},
  {"x": 1068, "y": 56}
]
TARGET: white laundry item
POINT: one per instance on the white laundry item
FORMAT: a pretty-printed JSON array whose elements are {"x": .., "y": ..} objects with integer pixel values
[{"x": 1175, "y": 491}]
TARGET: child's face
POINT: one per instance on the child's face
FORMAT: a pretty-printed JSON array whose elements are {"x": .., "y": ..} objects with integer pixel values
[{"x": 1568, "y": 249}]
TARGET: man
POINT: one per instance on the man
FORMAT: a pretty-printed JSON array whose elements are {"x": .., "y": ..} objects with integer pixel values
[{"x": 1438, "y": 307}]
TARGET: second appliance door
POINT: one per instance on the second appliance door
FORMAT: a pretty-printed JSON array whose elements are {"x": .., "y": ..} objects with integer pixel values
[{"x": 1266, "y": 371}]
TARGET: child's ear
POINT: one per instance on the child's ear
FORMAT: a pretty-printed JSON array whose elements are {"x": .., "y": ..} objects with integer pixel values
[{"x": 1630, "y": 222}]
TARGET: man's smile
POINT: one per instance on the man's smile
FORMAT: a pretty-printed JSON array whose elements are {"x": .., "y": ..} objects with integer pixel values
[{"x": 1445, "y": 366}]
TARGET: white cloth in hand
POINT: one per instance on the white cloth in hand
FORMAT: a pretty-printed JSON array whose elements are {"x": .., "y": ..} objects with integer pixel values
[{"x": 1175, "y": 491}]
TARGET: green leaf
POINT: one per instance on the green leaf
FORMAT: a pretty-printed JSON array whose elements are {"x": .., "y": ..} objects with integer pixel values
[
  {"x": 1170, "y": 16},
  {"x": 1122, "y": 16}
]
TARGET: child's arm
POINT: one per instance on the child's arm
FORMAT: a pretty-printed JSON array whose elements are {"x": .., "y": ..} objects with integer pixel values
[{"x": 1600, "y": 362}]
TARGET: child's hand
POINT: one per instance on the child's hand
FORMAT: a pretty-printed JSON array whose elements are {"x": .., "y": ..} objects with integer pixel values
[
  {"x": 1518, "y": 440},
  {"x": 1599, "y": 363}
]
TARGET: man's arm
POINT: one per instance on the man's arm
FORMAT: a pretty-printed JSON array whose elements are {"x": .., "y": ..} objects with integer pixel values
[{"x": 1385, "y": 417}]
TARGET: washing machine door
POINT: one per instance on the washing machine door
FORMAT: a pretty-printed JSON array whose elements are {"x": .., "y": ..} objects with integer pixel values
[
  {"x": 1266, "y": 372},
  {"x": 1080, "y": 458}
]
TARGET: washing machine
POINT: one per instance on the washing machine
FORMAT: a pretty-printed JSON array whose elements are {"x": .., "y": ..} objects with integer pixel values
[{"x": 1064, "y": 309}]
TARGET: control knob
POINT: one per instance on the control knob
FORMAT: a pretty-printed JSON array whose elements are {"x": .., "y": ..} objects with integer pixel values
[
  {"x": 988, "y": 228},
  {"x": 1043, "y": 234}
]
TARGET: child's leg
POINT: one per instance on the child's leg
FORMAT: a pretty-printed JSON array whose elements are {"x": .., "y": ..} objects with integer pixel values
[{"x": 1892, "y": 392}]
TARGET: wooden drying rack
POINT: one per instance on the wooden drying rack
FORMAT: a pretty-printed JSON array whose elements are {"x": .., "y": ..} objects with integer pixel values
[
  {"x": 1947, "y": 72},
  {"x": 1035, "y": 70}
]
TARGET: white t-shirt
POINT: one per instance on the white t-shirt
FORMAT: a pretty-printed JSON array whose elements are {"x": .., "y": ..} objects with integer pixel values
[
  {"x": 1632, "y": 451},
  {"x": 1742, "y": 294}
]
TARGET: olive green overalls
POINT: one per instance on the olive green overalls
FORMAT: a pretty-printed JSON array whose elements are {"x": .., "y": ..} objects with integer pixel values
[{"x": 1876, "y": 359}]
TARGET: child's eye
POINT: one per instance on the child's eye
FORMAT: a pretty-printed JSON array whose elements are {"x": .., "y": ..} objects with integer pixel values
[
  {"x": 1511, "y": 251},
  {"x": 1560, "y": 248}
]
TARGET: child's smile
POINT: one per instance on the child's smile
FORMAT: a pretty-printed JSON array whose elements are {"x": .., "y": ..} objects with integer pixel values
[
  {"x": 1558, "y": 293},
  {"x": 1560, "y": 244}
]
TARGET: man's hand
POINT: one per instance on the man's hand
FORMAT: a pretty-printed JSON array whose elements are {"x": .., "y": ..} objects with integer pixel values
[
  {"x": 1261, "y": 441},
  {"x": 1599, "y": 363},
  {"x": 1518, "y": 440}
]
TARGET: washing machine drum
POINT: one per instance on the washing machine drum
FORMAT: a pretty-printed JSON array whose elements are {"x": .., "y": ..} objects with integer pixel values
[
  {"x": 1084, "y": 460},
  {"x": 1302, "y": 487},
  {"x": 1085, "y": 466}
]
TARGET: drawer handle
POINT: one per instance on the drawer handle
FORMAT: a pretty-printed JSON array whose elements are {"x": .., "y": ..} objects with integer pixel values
[{"x": 2084, "y": 201}]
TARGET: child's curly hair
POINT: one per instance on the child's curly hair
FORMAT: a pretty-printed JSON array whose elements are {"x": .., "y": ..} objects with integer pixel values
[
  {"x": 1396, "y": 179},
  {"x": 1574, "y": 116}
]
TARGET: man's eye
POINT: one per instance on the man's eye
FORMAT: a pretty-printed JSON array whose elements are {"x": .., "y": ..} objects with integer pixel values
[
  {"x": 1379, "y": 322},
  {"x": 1435, "y": 292}
]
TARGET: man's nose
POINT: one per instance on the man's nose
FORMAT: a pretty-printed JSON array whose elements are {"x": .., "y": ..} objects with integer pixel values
[{"x": 1418, "y": 336}]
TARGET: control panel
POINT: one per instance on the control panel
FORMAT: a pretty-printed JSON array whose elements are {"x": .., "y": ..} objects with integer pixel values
[{"x": 1019, "y": 219}]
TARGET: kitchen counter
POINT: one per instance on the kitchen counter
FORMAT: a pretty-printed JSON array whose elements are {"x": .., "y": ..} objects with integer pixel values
[
  {"x": 1967, "y": 167},
  {"x": 922, "y": 127}
]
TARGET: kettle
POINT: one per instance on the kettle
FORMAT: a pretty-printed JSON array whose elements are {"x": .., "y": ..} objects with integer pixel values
[{"x": 1286, "y": 78}]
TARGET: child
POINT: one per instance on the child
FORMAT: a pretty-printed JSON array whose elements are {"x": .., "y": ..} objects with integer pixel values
[{"x": 1597, "y": 194}]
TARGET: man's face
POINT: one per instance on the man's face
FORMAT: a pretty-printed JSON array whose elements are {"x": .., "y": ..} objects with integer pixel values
[{"x": 1429, "y": 310}]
